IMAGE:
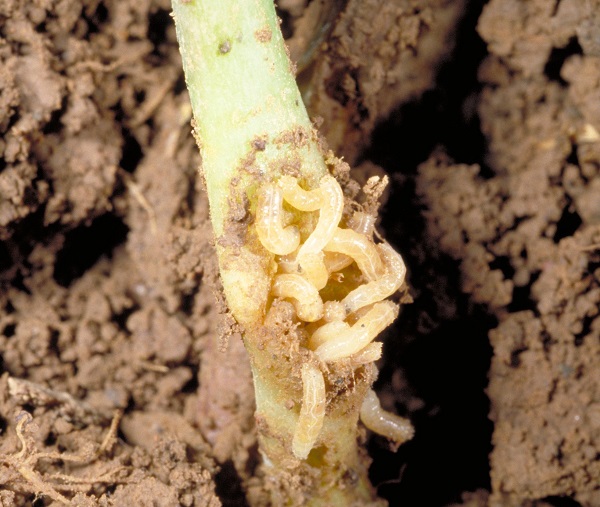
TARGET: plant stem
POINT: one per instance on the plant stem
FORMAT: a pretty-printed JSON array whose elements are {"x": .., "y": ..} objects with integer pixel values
[
  {"x": 251, "y": 126},
  {"x": 249, "y": 115}
]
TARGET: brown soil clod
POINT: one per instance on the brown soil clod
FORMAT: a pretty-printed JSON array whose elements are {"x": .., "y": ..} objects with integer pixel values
[{"x": 107, "y": 268}]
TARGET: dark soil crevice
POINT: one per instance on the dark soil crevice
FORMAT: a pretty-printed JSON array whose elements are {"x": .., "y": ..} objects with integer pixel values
[
  {"x": 440, "y": 343},
  {"x": 485, "y": 116},
  {"x": 557, "y": 58},
  {"x": 84, "y": 245}
]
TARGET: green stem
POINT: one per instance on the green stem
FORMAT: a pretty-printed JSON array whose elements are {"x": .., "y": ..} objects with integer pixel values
[
  {"x": 250, "y": 121},
  {"x": 251, "y": 126},
  {"x": 241, "y": 89}
]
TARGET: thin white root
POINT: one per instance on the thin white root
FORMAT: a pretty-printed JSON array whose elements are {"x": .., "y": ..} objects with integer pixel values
[
  {"x": 384, "y": 423},
  {"x": 363, "y": 332},
  {"x": 306, "y": 299},
  {"x": 357, "y": 246},
  {"x": 269, "y": 223},
  {"x": 312, "y": 412},
  {"x": 378, "y": 290}
]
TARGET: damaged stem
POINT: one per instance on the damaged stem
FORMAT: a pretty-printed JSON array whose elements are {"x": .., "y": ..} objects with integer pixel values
[{"x": 282, "y": 243}]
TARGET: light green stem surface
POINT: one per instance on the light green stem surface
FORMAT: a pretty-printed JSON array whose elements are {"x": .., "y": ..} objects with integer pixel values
[
  {"x": 241, "y": 88},
  {"x": 251, "y": 126}
]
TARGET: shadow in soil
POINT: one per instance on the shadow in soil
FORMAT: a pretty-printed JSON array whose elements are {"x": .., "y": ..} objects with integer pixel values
[{"x": 438, "y": 361}]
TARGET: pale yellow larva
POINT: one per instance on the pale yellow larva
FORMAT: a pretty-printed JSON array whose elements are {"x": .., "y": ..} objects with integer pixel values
[
  {"x": 272, "y": 234},
  {"x": 310, "y": 254},
  {"x": 359, "y": 248},
  {"x": 296, "y": 196},
  {"x": 330, "y": 214},
  {"x": 363, "y": 332},
  {"x": 304, "y": 295},
  {"x": 287, "y": 264},
  {"x": 336, "y": 261},
  {"x": 360, "y": 222},
  {"x": 384, "y": 423},
  {"x": 326, "y": 332},
  {"x": 378, "y": 290},
  {"x": 312, "y": 411},
  {"x": 333, "y": 310},
  {"x": 369, "y": 354},
  {"x": 363, "y": 223},
  {"x": 311, "y": 266}
]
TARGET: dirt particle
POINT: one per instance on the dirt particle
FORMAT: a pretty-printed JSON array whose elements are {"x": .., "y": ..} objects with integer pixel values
[
  {"x": 135, "y": 321},
  {"x": 263, "y": 35},
  {"x": 297, "y": 136},
  {"x": 259, "y": 143},
  {"x": 225, "y": 47}
]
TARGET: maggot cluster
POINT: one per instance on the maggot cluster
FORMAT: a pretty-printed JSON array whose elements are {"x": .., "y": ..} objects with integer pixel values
[{"x": 337, "y": 330}]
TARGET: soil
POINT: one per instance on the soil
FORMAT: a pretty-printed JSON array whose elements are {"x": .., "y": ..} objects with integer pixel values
[{"x": 120, "y": 379}]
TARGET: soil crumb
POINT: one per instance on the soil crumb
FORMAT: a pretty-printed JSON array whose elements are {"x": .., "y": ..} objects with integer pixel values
[
  {"x": 525, "y": 227},
  {"x": 122, "y": 380}
]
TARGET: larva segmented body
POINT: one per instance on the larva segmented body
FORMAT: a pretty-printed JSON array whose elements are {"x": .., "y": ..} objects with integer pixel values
[
  {"x": 303, "y": 200},
  {"x": 310, "y": 254},
  {"x": 336, "y": 261},
  {"x": 369, "y": 354},
  {"x": 312, "y": 411},
  {"x": 395, "y": 428},
  {"x": 327, "y": 332},
  {"x": 333, "y": 310},
  {"x": 362, "y": 223},
  {"x": 305, "y": 296},
  {"x": 363, "y": 332},
  {"x": 311, "y": 266},
  {"x": 379, "y": 289},
  {"x": 269, "y": 227},
  {"x": 360, "y": 249},
  {"x": 335, "y": 330}
]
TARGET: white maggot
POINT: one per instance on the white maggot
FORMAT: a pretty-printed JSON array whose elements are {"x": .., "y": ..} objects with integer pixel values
[
  {"x": 363, "y": 332},
  {"x": 384, "y": 423},
  {"x": 304, "y": 295},
  {"x": 369, "y": 354},
  {"x": 295, "y": 195},
  {"x": 327, "y": 332},
  {"x": 378, "y": 290},
  {"x": 310, "y": 254},
  {"x": 360, "y": 248},
  {"x": 272, "y": 234},
  {"x": 312, "y": 411}
]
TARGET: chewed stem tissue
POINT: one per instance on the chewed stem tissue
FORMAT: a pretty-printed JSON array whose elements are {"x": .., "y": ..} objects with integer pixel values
[
  {"x": 341, "y": 330},
  {"x": 298, "y": 261}
]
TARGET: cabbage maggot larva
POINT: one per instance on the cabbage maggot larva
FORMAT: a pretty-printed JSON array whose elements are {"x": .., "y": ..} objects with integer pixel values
[
  {"x": 336, "y": 330},
  {"x": 384, "y": 423},
  {"x": 359, "y": 335},
  {"x": 312, "y": 411},
  {"x": 272, "y": 234}
]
